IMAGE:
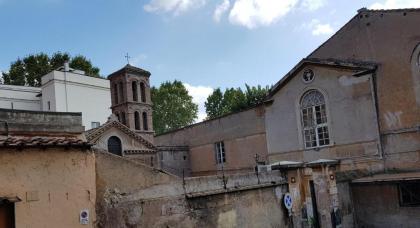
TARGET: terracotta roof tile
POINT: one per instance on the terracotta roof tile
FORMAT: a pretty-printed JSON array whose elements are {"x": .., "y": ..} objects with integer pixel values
[{"x": 25, "y": 141}]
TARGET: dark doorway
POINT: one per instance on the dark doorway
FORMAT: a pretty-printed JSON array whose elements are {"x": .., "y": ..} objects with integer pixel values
[
  {"x": 7, "y": 214},
  {"x": 114, "y": 145},
  {"x": 314, "y": 206}
]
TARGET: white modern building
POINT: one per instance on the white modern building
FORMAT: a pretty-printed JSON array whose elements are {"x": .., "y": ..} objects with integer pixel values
[
  {"x": 20, "y": 97},
  {"x": 63, "y": 90}
]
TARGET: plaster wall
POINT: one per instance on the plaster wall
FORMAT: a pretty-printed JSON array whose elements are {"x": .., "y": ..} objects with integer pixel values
[
  {"x": 72, "y": 92},
  {"x": 127, "y": 142},
  {"x": 350, "y": 112},
  {"x": 20, "y": 97},
  {"x": 389, "y": 39},
  {"x": 243, "y": 135},
  {"x": 377, "y": 205},
  {"x": 53, "y": 184}
]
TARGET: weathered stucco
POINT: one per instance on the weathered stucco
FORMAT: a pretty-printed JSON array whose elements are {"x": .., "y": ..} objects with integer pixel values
[
  {"x": 54, "y": 185},
  {"x": 138, "y": 196},
  {"x": 377, "y": 205},
  {"x": 243, "y": 135},
  {"x": 350, "y": 112}
]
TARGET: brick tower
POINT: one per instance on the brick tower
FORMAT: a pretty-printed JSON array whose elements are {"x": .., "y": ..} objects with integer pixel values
[{"x": 131, "y": 100}]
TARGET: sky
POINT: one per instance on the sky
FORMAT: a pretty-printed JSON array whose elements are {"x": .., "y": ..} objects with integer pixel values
[{"x": 206, "y": 44}]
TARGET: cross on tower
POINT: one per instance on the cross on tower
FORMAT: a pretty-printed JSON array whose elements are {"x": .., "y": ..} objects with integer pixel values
[{"x": 128, "y": 58}]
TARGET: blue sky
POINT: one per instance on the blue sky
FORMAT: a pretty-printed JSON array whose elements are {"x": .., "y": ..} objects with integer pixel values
[{"x": 204, "y": 43}]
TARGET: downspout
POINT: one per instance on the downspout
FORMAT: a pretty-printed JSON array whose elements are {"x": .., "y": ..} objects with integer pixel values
[
  {"x": 374, "y": 89},
  {"x": 66, "y": 68},
  {"x": 376, "y": 103}
]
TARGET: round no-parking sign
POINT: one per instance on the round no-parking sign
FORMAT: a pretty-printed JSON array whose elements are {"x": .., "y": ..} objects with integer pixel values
[{"x": 287, "y": 200}]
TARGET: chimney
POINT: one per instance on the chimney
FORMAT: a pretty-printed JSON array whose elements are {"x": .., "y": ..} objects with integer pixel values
[{"x": 66, "y": 67}]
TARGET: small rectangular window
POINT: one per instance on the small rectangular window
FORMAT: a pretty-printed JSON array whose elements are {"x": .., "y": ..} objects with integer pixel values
[
  {"x": 409, "y": 193},
  {"x": 49, "y": 106},
  {"x": 220, "y": 152},
  {"x": 95, "y": 124}
]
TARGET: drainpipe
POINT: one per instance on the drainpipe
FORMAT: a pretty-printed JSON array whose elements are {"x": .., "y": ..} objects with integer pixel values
[
  {"x": 66, "y": 69},
  {"x": 374, "y": 89}
]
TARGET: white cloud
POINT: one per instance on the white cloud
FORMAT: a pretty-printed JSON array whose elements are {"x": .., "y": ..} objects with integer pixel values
[
  {"x": 221, "y": 9},
  {"x": 175, "y": 6},
  {"x": 318, "y": 28},
  {"x": 199, "y": 94},
  {"x": 396, "y": 4},
  {"x": 312, "y": 5},
  {"x": 253, "y": 13}
]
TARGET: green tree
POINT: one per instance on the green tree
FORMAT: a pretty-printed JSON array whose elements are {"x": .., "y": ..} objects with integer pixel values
[
  {"x": 234, "y": 100},
  {"x": 255, "y": 95},
  {"x": 214, "y": 105},
  {"x": 173, "y": 107},
  {"x": 81, "y": 63},
  {"x": 29, "y": 70}
]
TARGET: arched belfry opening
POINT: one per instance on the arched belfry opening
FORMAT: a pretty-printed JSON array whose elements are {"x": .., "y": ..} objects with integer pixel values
[
  {"x": 134, "y": 90},
  {"x": 115, "y": 145},
  {"x": 143, "y": 92}
]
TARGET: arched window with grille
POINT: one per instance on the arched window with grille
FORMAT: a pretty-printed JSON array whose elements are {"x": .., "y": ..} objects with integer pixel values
[
  {"x": 114, "y": 145},
  {"x": 134, "y": 90},
  {"x": 137, "y": 120},
  {"x": 145, "y": 124},
  {"x": 143, "y": 92},
  {"x": 314, "y": 119}
]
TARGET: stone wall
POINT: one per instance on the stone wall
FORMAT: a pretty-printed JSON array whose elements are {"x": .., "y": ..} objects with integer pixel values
[{"x": 133, "y": 195}]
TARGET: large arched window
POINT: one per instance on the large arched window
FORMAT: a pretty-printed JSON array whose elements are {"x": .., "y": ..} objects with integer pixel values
[
  {"x": 137, "y": 120},
  {"x": 314, "y": 119},
  {"x": 143, "y": 92},
  {"x": 114, "y": 145},
  {"x": 134, "y": 89},
  {"x": 145, "y": 124}
]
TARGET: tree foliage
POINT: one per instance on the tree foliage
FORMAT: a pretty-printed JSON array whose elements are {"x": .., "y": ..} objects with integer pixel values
[
  {"x": 29, "y": 70},
  {"x": 234, "y": 99},
  {"x": 173, "y": 107}
]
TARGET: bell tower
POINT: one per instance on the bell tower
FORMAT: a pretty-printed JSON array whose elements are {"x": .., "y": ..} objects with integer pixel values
[{"x": 131, "y": 100}]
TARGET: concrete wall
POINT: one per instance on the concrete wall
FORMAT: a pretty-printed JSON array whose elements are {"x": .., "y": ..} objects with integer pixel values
[
  {"x": 377, "y": 205},
  {"x": 72, "y": 92},
  {"x": 41, "y": 123},
  {"x": 351, "y": 117},
  {"x": 243, "y": 135},
  {"x": 20, "y": 97},
  {"x": 53, "y": 184}
]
